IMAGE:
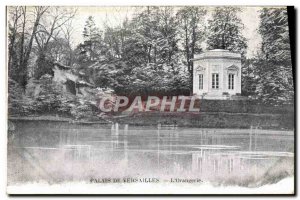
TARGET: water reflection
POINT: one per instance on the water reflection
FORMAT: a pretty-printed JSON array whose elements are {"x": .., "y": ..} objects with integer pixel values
[{"x": 160, "y": 151}]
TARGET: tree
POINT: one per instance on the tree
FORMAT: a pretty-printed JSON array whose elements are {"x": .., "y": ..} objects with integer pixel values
[
  {"x": 249, "y": 82},
  {"x": 21, "y": 40},
  {"x": 225, "y": 30},
  {"x": 168, "y": 27},
  {"x": 138, "y": 55},
  {"x": 147, "y": 35},
  {"x": 92, "y": 46},
  {"x": 192, "y": 32},
  {"x": 50, "y": 30},
  {"x": 153, "y": 45},
  {"x": 273, "y": 62}
]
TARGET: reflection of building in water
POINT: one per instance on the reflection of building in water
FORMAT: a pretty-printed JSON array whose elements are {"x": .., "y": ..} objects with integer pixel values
[
  {"x": 163, "y": 151},
  {"x": 77, "y": 152},
  {"x": 217, "y": 74},
  {"x": 72, "y": 149},
  {"x": 115, "y": 136},
  {"x": 126, "y": 145},
  {"x": 68, "y": 138},
  {"x": 207, "y": 161}
]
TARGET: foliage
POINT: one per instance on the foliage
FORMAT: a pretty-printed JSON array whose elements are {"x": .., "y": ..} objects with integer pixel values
[
  {"x": 225, "y": 30},
  {"x": 43, "y": 66},
  {"x": 192, "y": 31},
  {"x": 249, "y": 78},
  {"x": 273, "y": 62},
  {"x": 148, "y": 54},
  {"x": 21, "y": 36},
  {"x": 49, "y": 96},
  {"x": 139, "y": 56},
  {"x": 18, "y": 103}
]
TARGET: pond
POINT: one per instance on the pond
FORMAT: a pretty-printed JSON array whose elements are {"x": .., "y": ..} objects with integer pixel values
[{"x": 56, "y": 152}]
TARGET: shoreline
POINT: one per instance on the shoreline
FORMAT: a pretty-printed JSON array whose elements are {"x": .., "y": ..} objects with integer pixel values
[{"x": 227, "y": 130}]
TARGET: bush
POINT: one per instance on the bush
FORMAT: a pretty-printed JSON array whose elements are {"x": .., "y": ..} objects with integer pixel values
[
  {"x": 82, "y": 110},
  {"x": 18, "y": 102}
]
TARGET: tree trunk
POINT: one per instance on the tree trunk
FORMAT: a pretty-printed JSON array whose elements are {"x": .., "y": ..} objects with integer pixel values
[{"x": 24, "y": 62}]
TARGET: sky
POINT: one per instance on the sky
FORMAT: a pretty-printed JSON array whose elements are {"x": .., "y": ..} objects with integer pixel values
[{"x": 114, "y": 16}]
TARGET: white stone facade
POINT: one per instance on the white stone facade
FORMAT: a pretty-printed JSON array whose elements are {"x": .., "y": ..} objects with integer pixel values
[{"x": 217, "y": 74}]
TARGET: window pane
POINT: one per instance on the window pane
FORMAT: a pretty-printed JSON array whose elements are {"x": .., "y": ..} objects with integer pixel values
[
  {"x": 232, "y": 85},
  {"x": 200, "y": 81},
  {"x": 231, "y": 81},
  {"x": 215, "y": 81}
]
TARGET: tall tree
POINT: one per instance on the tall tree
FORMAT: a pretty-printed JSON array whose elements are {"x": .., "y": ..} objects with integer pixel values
[
  {"x": 92, "y": 45},
  {"x": 49, "y": 30},
  {"x": 90, "y": 30},
  {"x": 21, "y": 37},
  {"x": 192, "y": 32},
  {"x": 225, "y": 30},
  {"x": 273, "y": 65}
]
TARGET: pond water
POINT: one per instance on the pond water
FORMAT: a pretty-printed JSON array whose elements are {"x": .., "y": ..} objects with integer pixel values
[{"x": 57, "y": 152}]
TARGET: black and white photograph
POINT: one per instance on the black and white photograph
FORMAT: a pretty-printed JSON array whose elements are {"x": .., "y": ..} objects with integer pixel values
[{"x": 152, "y": 100}]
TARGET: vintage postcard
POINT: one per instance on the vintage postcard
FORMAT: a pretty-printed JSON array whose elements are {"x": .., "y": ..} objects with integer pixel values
[{"x": 150, "y": 100}]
